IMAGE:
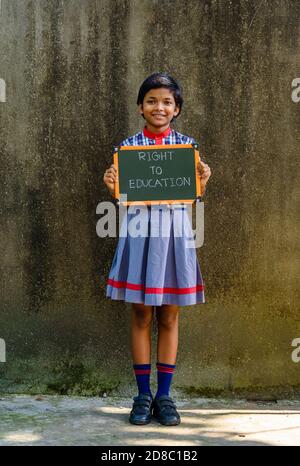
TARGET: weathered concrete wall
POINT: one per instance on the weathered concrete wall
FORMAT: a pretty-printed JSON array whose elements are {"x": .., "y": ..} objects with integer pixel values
[{"x": 72, "y": 70}]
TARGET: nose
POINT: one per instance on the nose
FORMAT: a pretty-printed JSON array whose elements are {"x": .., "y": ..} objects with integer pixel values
[{"x": 159, "y": 105}]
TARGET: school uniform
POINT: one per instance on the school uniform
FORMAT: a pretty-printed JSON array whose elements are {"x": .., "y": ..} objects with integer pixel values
[{"x": 156, "y": 270}]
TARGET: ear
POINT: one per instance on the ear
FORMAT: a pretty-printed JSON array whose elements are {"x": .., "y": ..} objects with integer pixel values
[
  {"x": 176, "y": 111},
  {"x": 141, "y": 109}
]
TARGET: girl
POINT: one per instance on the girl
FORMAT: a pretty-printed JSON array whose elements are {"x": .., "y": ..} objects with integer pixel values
[{"x": 158, "y": 272}]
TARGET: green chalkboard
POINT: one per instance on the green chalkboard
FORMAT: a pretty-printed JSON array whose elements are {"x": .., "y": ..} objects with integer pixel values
[{"x": 158, "y": 174}]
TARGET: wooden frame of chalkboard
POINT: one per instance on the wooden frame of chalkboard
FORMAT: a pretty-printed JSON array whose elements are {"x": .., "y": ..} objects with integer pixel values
[{"x": 148, "y": 182}]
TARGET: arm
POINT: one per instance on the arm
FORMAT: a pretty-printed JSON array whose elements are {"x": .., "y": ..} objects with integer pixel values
[
  {"x": 110, "y": 177},
  {"x": 204, "y": 173}
]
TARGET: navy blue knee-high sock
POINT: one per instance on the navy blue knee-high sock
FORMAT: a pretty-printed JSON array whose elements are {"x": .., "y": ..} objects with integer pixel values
[
  {"x": 164, "y": 378},
  {"x": 142, "y": 374}
]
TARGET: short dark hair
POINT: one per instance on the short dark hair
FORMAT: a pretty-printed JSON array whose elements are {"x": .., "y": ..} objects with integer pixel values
[{"x": 157, "y": 80}]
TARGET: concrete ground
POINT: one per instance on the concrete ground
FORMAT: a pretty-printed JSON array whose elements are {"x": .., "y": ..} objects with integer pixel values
[{"x": 61, "y": 420}]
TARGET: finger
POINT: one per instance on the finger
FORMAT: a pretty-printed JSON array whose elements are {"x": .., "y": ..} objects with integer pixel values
[
  {"x": 113, "y": 175},
  {"x": 204, "y": 174},
  {"x": 204, "y": 167},
  {"x": 115, "y": 172},
  {"x": 110, "y": 178},
  {"x": 110, "y": 170},
  {"x": 204, "y": 164}
]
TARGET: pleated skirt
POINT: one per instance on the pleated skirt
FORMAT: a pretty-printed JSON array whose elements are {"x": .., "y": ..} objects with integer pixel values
[{"x": 155, "y": 261}]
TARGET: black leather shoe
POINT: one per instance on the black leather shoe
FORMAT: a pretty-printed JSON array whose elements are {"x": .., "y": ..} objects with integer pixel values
[
  {"x": 164, "y": 410},
  {"x": 141, "y": 409}
]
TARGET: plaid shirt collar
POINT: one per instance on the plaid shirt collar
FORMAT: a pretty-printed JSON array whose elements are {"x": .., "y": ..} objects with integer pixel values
[{"x": 157, "y": 137}]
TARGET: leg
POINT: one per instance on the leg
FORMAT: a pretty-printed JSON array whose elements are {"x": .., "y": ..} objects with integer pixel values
[
  {"x": 167, "y": 320},
  {"x": 141, "y": 325},
  {"x": 164, "y": 408},
  {"x": 167, "y": 323}
]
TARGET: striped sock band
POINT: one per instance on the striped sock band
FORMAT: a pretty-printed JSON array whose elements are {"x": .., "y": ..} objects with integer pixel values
[
  {"x": 142, "y": 374},
  {"x": 164, "y": 378}
]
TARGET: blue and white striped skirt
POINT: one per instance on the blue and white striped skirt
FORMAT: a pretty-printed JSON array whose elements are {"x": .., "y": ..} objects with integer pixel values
[{"x": 159, "y": 266}]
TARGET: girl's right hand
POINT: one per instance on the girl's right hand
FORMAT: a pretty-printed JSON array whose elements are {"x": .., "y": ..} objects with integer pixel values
[{"x": 110, "y": 177}]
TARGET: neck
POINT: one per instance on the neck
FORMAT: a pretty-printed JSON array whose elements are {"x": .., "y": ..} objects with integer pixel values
[{"x": 155, "y": 130}]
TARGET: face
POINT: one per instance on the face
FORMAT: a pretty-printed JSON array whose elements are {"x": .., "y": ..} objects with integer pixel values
[{"x": 159, "y": 108}]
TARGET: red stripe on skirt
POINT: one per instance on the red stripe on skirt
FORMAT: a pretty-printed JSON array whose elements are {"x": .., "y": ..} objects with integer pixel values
[{"x": 148, "y": 290}]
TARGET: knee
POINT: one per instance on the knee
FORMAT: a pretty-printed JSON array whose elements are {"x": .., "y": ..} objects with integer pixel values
[
  {"x": 142, "y": 319},
  {"x": 167, "y": 321}
]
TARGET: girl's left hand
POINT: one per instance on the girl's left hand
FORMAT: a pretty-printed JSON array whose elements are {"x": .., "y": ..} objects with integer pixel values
[{"x": 204, "y": 172}]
